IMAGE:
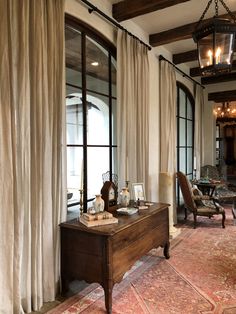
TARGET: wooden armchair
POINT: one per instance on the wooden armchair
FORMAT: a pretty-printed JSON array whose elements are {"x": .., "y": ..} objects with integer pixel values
[
  {"x": 210, "y": 172},
  {"x": 222, "y": 191},
  {"x": 196, "y": 203}
]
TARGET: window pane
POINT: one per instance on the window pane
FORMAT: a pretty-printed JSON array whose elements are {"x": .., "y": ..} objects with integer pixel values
[
  {"x": 73, "y": 56},
  {"x": 182, "y": 103},
  {"x": 189, "y": 110},
  {"x": 182, "y": 132},
  {"x": 182, "y": 160},
  {"x": 70, "y": 90},
  {"x": 73, "y": 78},
  {"x": 98, "y": 163},
  {"x": 97, "y": 69},
  {"x": 189, "y": 160},
  {"x": 189, "y": 133},
  {"x": 190, "y": 176},
  {"x": 74, "y": 119},
  {"x": 98, "y": 119},
  {"x": 74, "y": 170}
]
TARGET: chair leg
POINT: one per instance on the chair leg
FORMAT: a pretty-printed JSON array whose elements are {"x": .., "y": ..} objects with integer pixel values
[
  {"x": 185, "y": 213},
  {"x": 234, "y": 211},
  {"x": 195, "y": 221},
  {"x": 223, "y": 220}
]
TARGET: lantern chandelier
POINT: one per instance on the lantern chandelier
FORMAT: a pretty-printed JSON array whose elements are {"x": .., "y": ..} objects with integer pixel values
[
  {"x": 225, "y": 110},
  {"x": 215, "y": 41}
]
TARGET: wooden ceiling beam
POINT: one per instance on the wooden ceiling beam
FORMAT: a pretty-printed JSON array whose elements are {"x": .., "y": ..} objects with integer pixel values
[
  {"x": 129, "y": 9},
  {"x": 187, "y": 56},
  {"x": 224, "y": 96},
  {"x": 172, "y": 35},
  {"x": 226, "y": 77},
  {"x": 195, "y": 72},
  {"x": 178, "y": 33}
]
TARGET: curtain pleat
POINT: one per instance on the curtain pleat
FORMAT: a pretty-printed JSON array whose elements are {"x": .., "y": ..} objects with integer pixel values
[
  {"x": 167, "y": 117},
  {"x": 132, "y": 110},
  {"x": 168, "y": 139},
  {"x": 32, "y": 137},
  {"x": 198, "y": 132}
]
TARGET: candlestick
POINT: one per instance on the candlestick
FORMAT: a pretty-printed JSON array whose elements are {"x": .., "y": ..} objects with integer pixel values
[
  {"x": 210, "y": 55},
  {"x": 194, "y": 163},
  {"x": 82, "y": 175},
  {"x": 81, "y": 201},
  {"x": 218, "y": 55},
  {"x": 127, "y": 169},
  {"x": 195, "y": 175}
]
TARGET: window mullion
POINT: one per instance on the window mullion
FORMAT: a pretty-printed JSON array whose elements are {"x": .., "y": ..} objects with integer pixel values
[
  {"x": 84, "y": 102},
  {"x": 110, "y": 116}
]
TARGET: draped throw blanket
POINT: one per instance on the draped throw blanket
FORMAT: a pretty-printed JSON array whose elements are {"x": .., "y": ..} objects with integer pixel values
[
  {"x": 32, "y": 154},
  {"x": 133, "y": 109}
]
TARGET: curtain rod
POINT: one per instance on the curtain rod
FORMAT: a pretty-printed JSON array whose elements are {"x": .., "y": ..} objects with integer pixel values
[
  {"x": 93, "y": 8},
  {"x": 182, "y": 72}
]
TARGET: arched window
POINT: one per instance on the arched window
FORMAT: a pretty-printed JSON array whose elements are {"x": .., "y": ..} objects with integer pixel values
[
  {"x": 185, "y": 132},
  {"x": 90, "y": 109}
]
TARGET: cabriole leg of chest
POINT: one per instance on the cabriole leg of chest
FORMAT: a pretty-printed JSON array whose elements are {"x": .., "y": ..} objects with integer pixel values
[
  {"x": 166, "y": 250},
  {"x": 108, "y": 275}
]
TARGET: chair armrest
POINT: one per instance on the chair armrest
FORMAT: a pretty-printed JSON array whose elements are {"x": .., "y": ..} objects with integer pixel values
[{"x": 201, "y": 197}]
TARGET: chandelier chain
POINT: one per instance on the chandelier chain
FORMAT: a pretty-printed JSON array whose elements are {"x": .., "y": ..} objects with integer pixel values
[
  {"x": 204, "y": 12},
  {"x": 216, "y": 8},
  {"x": 216, "y": 11},
  {"x": 228, "y": 10}
]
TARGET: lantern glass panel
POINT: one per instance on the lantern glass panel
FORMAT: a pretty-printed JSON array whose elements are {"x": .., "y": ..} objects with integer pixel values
[
  {"x": 223, "y": 48},
  {"x": 205, "y": 51}
]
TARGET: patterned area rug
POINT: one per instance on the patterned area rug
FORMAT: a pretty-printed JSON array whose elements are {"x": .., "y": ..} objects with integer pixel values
[{"x": 199, "y": 277}]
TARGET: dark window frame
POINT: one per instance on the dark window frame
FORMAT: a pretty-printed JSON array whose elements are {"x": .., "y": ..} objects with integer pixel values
[
  {"x": 188, "y": 96},
  {"x": 87, "y": 30}
]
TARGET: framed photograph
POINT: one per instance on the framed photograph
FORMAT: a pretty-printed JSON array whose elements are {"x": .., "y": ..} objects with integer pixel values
[{"x": 138, "y": 191}]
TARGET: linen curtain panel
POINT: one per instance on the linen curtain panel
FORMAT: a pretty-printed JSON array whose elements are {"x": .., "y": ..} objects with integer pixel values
[
  {"x": 132, "y": 109},
  {"x": 168, "y": 126},
  {"x": 198, "y": 132},
  {"x": 32, "y": 154},
  {"x": 168, "y": 131}
]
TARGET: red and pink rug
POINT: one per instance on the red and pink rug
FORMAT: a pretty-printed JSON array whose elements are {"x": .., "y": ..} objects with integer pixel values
[{"x": 199, "y": 277}]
